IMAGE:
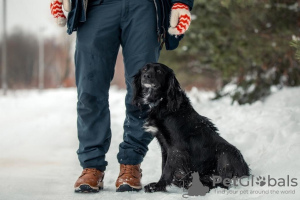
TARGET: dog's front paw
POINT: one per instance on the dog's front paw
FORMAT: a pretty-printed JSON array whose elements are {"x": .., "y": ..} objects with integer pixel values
[
  {"x": 155, "y": 187},
  {"x": 150, "y": 187}
]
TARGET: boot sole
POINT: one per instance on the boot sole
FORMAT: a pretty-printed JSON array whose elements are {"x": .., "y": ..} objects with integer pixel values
[
  {"x": 87, "y": 189},
  {"x": 127, "y": 188}
]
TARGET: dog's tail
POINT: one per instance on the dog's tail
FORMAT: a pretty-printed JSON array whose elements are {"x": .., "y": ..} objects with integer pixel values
[{"x": 231, "y": 163}]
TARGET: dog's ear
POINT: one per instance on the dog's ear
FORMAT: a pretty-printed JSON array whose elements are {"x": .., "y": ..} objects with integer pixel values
[
  {"x": 137, "y": 89},
  {"x": 174, "y": 93}
]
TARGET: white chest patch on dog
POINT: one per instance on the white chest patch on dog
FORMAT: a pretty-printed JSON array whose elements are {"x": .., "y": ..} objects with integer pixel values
[
  {"x": 151, "y": 129},
  {"x": 145, "y": 99},
  {"x": 146, "y": 96},
  {"x": 147, "y": 85}
]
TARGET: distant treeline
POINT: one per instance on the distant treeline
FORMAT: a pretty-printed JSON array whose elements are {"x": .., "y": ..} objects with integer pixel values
[
  {"x": 23, "y": 61},
  {"x": 248, "y": 43},
  {"x": 244, "y": 42}
]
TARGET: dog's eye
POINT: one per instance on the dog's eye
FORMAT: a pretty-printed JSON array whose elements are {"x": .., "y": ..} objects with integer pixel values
[
  {"x": 145, "y": 68},
  {"x": 158, "y": 71}
]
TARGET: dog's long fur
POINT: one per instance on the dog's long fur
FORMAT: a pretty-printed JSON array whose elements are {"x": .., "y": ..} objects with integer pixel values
[{"x": 189, "y": 141}]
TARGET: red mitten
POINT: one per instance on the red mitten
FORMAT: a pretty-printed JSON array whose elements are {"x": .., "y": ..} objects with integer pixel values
[
  {"x": 180, "y": 19},
  {"x": 57, "y": 12}
]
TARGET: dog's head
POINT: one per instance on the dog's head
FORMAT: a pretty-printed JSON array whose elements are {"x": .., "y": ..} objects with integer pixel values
[{"x": 156, "y": 82}]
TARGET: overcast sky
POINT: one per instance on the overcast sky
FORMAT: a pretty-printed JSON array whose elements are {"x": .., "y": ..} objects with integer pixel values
[{"x": 30, "y": 15}]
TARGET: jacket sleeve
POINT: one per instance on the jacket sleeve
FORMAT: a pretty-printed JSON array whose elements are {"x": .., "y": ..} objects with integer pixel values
[{"x": 190, "y": 3}]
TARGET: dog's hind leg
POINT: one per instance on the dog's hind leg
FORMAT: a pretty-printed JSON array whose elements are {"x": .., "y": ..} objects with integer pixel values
[
  {"x": 224, "y": 166},
  {"x": 232, "y": 164},
  {"x": 206, "y": 180},
  {"x": 182, "y": 178}
]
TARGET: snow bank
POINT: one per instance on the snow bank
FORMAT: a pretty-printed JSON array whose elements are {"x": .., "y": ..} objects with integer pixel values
[{"x": 38, "y": 143}]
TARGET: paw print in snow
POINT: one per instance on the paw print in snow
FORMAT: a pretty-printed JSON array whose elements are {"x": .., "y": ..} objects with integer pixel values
[{"x": 261, "y": 181}]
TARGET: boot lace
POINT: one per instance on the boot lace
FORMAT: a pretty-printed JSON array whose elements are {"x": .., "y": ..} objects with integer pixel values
[
  {"x": 128, "y": 169},
  {"x": 88, "y": 171}
]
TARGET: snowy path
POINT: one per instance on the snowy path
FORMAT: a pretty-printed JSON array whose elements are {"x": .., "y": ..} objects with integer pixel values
[{"x": 38, "y": 142}]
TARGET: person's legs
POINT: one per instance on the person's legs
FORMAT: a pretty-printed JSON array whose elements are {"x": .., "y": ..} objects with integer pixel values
[
  {"x": 140, "y": 46},
  {"x": 97, "y": 45}
]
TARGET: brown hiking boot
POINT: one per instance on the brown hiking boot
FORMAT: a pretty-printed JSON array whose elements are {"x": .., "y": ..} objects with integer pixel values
[
  {"x": 90, "y": 180},
  {"x": 129, "y": 178}
]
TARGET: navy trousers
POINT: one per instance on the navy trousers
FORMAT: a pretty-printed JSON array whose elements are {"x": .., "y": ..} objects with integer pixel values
[{"x": 131, "y": 24}]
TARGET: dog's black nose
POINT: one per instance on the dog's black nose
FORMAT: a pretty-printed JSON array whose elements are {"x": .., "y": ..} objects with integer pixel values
[{"x": 147, "y": 75}]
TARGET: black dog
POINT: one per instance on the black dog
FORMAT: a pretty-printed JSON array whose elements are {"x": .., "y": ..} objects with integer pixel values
[{"x": 189, "y": 141}]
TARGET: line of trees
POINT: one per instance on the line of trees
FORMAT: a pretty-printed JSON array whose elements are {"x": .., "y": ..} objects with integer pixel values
[
  {"x": 241, "y": 42},
  {"x": 22, "y": 61},
  {"x": 250, "y": 44}
]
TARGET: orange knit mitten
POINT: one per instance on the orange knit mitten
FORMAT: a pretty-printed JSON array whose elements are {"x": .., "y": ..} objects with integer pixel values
[
  {"x": 57, "y": 12},
  {"x": 180, "y": 19}
]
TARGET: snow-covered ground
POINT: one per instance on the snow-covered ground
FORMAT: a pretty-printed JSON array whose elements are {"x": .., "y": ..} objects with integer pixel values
[{"x": 38, "y": 143}]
